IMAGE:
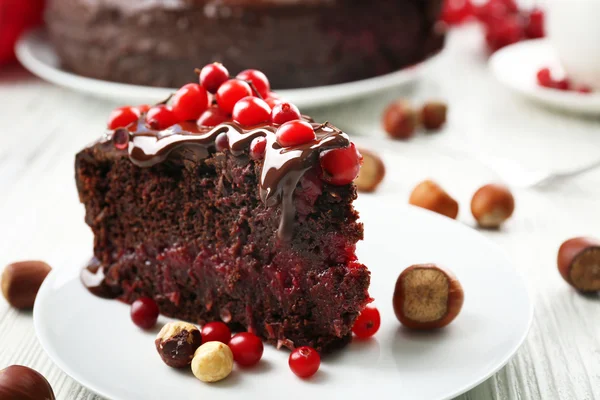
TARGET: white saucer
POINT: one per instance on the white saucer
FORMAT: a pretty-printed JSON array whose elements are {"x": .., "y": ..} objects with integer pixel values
[
  {"x": 35, "y": 52},
  {"x": 94, "y": 341},
  {"x": 516, "y": 66}
]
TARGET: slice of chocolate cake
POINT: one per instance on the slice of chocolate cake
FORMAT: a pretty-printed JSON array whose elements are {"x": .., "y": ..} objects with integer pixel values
[{"x": 226, "y": 223}]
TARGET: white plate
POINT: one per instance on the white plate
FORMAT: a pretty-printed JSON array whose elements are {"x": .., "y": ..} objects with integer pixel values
[
  {"x": 94, "y": 341},
  {"x": 516, "y": 66},
  {"x": 35, "y": 52}
]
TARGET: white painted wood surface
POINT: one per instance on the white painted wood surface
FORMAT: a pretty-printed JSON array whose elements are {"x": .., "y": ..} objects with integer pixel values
[{"x": 42, "y": 127}]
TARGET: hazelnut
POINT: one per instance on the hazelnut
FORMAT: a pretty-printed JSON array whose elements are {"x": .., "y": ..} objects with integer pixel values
[
  {"x": 400, "y": 120},
  {"x": 212, "y": 362},
  {"x": 579, "y": 263},
  {"x": 176, "y": 343},
  {"x": 371, "y": 172},
  {"x": 433, "y": 115},
  {"x": 21, "y": 282},
  {"x": 492, "y": 205},
  {"x": 22, "y": 383},
  {"x": 431, "y": 196},
  {"x": 427, "y": 297}
]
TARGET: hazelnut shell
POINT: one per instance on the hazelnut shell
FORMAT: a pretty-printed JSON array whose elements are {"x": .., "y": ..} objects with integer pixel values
[
  {"x": 579, "y": 263},
  {"x": 21, "y": 282},
  {"x": 431, "y": 196},
  {"x": 371, "y": 172},
  {"x": 492, "y": 205},
  {"x": 453, "y": 305}
]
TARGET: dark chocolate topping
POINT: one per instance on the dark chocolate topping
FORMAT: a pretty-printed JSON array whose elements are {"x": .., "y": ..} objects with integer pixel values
[
  {"x": 281, "y": 170},
  {"x": 92, "y": 278}
]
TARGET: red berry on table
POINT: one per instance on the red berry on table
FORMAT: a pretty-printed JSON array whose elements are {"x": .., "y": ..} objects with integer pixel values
[
  {"x": 273, "y": 99},
  {"x": 258, "y": 79},
  {"x": 251, "y": 111},
  {"x": 247, "y": 348},
  {"x": 15, "y": 18},
  {"x": 562, "y": 84},
  {"x": 230, "y": 93},
  {"x": 189, "y": 102},
  {"x": 212, "y": 76},
  {"x": 213, "y": 117},
  {"x": 142, "y": 108},
  {"x": 284, "y": 112},
  {"x": 258, "y": 147},
  {"x": 144, "y": 312},
  {"x": 341, "y": 166},
  {"x": 504, "y": 32},
  {"x": 368, "y": 322},
  {"x": 585, "y": 90},
  {"x": 495, "y": 10},
  {"x": 216, "y": 332},
  {"x": 160, "y": 117},
  {"x": 534, "y": 29},
  {"x": 544, "y": 78},
  {"x": 295, "y": 133},
  {"x": 304, "y": 361},
  {"x": 122, "y": 117},
  {"x": 456, "y": 11}
]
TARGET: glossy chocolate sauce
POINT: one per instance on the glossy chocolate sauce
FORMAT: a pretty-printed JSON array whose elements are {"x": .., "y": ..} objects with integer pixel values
[{"x": 92, "y": 278}]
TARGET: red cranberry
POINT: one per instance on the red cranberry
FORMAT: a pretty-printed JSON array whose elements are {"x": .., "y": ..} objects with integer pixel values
[
  {"x": 295, "y": 133},
  {"x": 341, "y": 166},
  {"x": 213, "y": 117},
  {"x": 258, "y": 147},
  {"x": 504, "y": 32},
  {"x": 284, "y": 112},
  {"x": 216, "y": 332},
  {"x": 273, "y": 99},
  {"x": 455, "y": 12},
  {"x": 544, "y": 78},
  {"x": 258, "y": 79},
  {"x": 535, "y": 24},
  {"x": 160, "y": 117},
  {"x": 563, "y": 84},
  {"x": 585, "y": 90},
  {"x": 495, "y": 10},
  {"x": 122, "y": 117},
  {"x": 189, "y": 102},
  {"x": 121, "y": 139},
  {"x": 230, "y": 93},
  {"x": 212, "y": 76},
  {"x": 247, "y": 349},
  {"x": 368, "y": 322},
  {"x": 144, "y": 312},
  {"x": 251, "y": 111},
  {"x": 142, "y": 108},
  {"x": 304, "y": 361},
  {"x": 222, "y": 141}
]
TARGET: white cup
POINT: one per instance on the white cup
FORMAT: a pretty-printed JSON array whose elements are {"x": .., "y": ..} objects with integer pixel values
[{"x": 573, "y": 28}]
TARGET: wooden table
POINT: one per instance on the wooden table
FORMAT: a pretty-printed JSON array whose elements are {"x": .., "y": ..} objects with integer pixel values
[{"x": 43, "y": 126}]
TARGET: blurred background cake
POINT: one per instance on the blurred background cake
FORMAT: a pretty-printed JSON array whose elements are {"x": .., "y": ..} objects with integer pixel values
[{"x": 297, "y": 43}]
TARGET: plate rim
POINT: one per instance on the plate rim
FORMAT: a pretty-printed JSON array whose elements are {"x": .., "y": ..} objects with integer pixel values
[
  {"x": 319, "y": 95},
  {"x": 516, "y": 273}
]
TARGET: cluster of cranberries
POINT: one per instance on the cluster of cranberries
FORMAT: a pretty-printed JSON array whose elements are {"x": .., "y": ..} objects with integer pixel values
[
  {"x": 247, "y": 100},
  {"x": 503, "y": 21},
  {"x": 546, "y": 79},
  {"x": 247, "y": 348}
]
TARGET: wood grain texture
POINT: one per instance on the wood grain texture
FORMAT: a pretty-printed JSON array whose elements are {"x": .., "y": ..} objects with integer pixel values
[{"x": 43, "y": 126}]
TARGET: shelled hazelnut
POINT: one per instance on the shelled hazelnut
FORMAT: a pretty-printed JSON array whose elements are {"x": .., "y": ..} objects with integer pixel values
[
  {"x": 579, "y": 263},
  {"x": 18, "y": 382},
  {"x": 371, "y": 172},
  {"x": 492, "y": 205},
  {"x": 177, "y": 342},
  {"x": 431, "y": 196},
  {"x": 21, "y": 282},
  {"x": 400, "y": 120},
  {"x": 427, "y": 297},
  {"x": 212, "y": 362}
]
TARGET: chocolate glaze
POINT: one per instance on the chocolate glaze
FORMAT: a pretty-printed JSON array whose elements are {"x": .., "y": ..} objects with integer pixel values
[
  {"x": 92, "y": 278},
  {"x": 282, "y": 167}
]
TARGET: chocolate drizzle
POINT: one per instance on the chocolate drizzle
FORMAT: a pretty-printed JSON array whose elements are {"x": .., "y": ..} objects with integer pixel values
[
  {"x": 282, "y": 169},
  {"x": 93, "y": 279}
]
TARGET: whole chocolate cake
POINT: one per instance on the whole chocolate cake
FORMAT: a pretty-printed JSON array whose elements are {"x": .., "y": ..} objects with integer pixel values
[
  {"x": 297, "y": 43},
  {"x": 251, "y": 225}
]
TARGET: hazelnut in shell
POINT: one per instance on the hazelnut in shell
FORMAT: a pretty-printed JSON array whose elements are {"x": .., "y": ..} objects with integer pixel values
[
  {"x": 212, "y": 362},
  {"x": 18, "y": 382},
  {"x": 21, "y": 282},
  {"x": 371, "y": 172},
  {"x": 579, "y": 263},
  {"x": 177, "y": 342},
  {"x": 427, "y": 297},
  {"x": 400, "y": 120},
  {"x": 433, "y": 115},
  {"x": 431, "y": 196},
  {"x": 492, "y": 205}
]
